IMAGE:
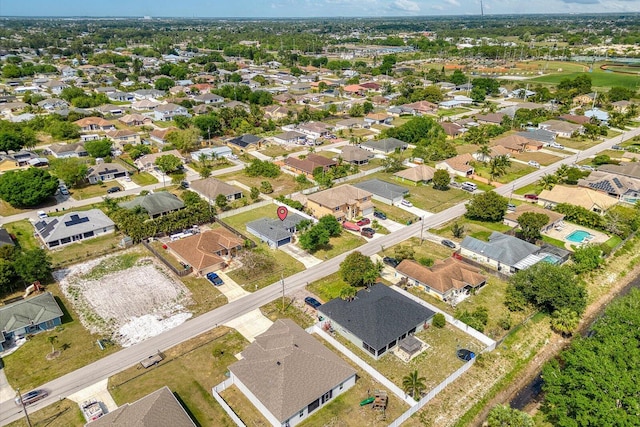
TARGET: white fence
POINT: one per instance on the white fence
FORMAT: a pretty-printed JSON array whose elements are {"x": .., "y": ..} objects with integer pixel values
[
  {"x": 216, "y": 395},
  {"x": 415, "y": 408},
  {"x": 490, "y": 343}
]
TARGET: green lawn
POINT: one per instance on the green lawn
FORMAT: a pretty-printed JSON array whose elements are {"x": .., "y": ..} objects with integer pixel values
[
  {"x": 613, "y": 241},
  {"x": 478, "y": 229},
  {"x": 63, "y": 413},
  {"x": 452, "y": 111},
  {"x": 143, "y": 178},
  {"x": 190, "y": 370},
  {"x": 278, "y": 150},
  {"x": 529, "y": 189},
  {"x": 426, "y": 249},
  {"x": 274, "y": 311},
  {"x": 85, "y": 249},
  {"x": 515, "y": 171},
  {"x": 28, "y": 367},
  {"x": 24, "y": 233},
  {"x": 240, "y": 220},
  {"x": 542, "y": 158},
  {"x": 91, "y": 190},
  {"x": 339, "y": 245},
  {"x": 205, "y": 296},
  {"x": 599, "y": 78},
  {"x": 328, "y": 287},
  {"x": 554, "y": 242},
  {"x": 283, "y": 184}
]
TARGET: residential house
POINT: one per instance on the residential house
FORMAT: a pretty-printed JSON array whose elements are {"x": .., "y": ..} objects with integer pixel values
[
  {"x": 352, "y": 123},
  {"x": 246, "y": 142},
  {"x": 105, "y": 90},
  {"x": 109, "y": 109},
  {"x": 53, "y": 104},
  {"x": 275, "y": 232},
  {"x": 276, "y": 112},
  {"x": 457, "y": 102},
  {"x": 315, "y": 130},
  {"x": 28, "y": 316},
  {"x": 160, "y": 408},
  {"x": 309, "y": 164},
  {"x": 145, "y": 105},
  {"x": 167, "y": 112},
  {"x": 355, "y": 155},
  {"x": 73, "y": 227},
  {"x": 385, "y": 146},
  {"x": 92, "y": 124},
  {"x": 511, "y": 110},
  {"x": 421, "y": 174},
  {"x": 159, "y": 136},
  {"x": 63, "y": 151},
  {"x": 148, "y": 94},
  {"x": 378, "y": 119},
  {"x": 459, "y": 165},
  {"x": 135, "y": 120},
  {"x": 376, "y": 319},
  {"x": 490, "y": 119},
  {"x": 290, "y": 137},
  {"x": 148, "y": 161},
  {"x": 494, "y": 151},
  {"x": 208, "y": 251},
  {"x": 555, "y": 218},
  {"x": 621, "y": 106},
  {"x": 121, "y": 137},
  {"x": 623, "y": 188},
  {"x": 544, "y": 136},
  {"x": 210, "y": 188},
  {"x": 450, "y": 280},
  {"x": 6, "y": 239},
  {"x": 121, "y": 96},
  {"x": 573, "y": 118},
  {"x": 211, "y": 153},
  {"x": 561, "y": 128},
  {"x": 383, "y": 191},
  {"x": 585, "y": 99},
  {"x": 585, "y": 197},
  {"x": 209, "y": 98},
  {"x": 504, "y": 253},
  {"x": 517, "y": 143},
  {"x": 289, "y": 375},
  {"x": 102, "y": 172},
  {"x": 453, "y": 130},
  {"x": 156, "y": 204},
  {"x": 599, "y": 115},
  {"x": 629, "y": 169},
  {"x": 344, "y": 202},
  {"x": 54, "y": 86},
  {"x": 418, "y": 108}
]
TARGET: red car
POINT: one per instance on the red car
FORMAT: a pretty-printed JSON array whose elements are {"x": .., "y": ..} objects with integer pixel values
[
  {"x": 533, "y": 197},
  {"x": 363, "y": 222}
]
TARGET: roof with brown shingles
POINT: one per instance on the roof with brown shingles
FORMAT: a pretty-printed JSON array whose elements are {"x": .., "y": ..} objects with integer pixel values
[
  {"x": 200, "y": 250},
  {"x": 444, "y": 276},
  {"x": 339, "y": 196},
  {"x": 417, "y": 174},
  {"x": 286, "y": 369}
]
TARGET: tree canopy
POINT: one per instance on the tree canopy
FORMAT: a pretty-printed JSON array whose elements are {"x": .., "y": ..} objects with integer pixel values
[
  {"x": 358, "y": 270},
  {"x": 595, "y": 381},
  {"x": 487, "y": 206},
  {"x": 98, "y": 148},
  {"x": 531, "y": 223},
  {"x": 168, "y": 163},
  {"x": 70, "y": 170},
  {"x": 27, "y": 188}
]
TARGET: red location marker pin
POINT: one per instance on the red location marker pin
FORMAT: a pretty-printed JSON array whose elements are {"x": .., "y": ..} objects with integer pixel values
[{"x": 282, "y": 212}]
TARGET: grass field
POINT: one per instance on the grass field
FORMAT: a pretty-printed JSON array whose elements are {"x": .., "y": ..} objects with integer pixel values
[
  {"x": 85, "y": 249},
  {"x": 284, "y": 265},
  {"x": 190, "y": 370},
  {"x": 144, "y": 178},
  {"x": 205, "y": 296},
  {"x": 283, "y": 184},
  {"x": 328, "y": 287},
  {"x": 339, "y": 245},
  {"x": 23, "y": 231},
  {"x": 427, "y": 249},
  {"x": 542, "y": 158},
  {"x": 599, "y": 78},
  {"x": 273, "y": 311},
  {"x": 238, "y": 221},
  {"x": 63, "y": 413}
]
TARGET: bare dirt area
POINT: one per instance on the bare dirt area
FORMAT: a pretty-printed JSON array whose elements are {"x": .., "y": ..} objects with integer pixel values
[{"x": 129, "y": 296}]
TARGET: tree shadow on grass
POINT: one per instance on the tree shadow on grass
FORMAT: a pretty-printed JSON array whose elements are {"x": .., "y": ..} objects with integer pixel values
[{"x": 66, "y": 316}]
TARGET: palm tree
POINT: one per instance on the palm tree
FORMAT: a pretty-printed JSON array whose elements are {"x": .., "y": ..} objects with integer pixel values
[
  {"x": 52, "y": 339},
  {"x": 484, "y": 153},
  {"x": 413, "y": 384},
  {"x": 348, "y": 293},
  {"x": 562, "y": 172},
  {"x": 548, "y": 181},
  {"x": 498, "y": 166},
  {"x": 203, "y": 158},
  {"x": 564, "y": 321},
  {"x": 205, "y": 172}
]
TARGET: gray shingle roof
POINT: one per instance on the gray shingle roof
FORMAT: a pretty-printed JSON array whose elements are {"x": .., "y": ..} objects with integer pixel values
[
  {"x": 5, "y": 238},
  {"x": 382, "y": 188},
  {"x": 274, "y": 229},
  {"x": 71, "y": 224},
  {"x": 32, "y": 311},
  {"x": 386, "y": 145},
  {"x": 377, "y": 315},
  {"x": 158, "y": 409},
  {"x": 508, "y": 250},
  {"x": 287, "y": 369},
  {"x": 156, "y": 203},
  {"x": 539, "y": 135}
]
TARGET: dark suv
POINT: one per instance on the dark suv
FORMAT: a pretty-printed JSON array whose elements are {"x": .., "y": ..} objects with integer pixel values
[
  {"x": 113, "y": 190},
  {"x": 391, "y": 262},
  {"x": 379, "y": 215},
  {"x": 367, "y": 232},
  {"x": 312, "y": 302}
]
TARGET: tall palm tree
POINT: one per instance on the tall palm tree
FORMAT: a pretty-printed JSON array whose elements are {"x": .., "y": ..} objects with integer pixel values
[
  {"x": 205, "y": 172},
  {"x": 413, "y": 384},
  {"x": 548, "y": 181},
  {"x": 52, "y": 339},
  {"x": 203, "y": 158},
  {"x": 484, "y": 153},
  {"x": 498, "y": 166},
  {"x": 562, "y": 172}
]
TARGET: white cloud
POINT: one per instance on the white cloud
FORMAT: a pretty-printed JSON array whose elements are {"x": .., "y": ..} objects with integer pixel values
[
  {"x": 453, "y": 2},
  {"x": 407, "y": 5}
]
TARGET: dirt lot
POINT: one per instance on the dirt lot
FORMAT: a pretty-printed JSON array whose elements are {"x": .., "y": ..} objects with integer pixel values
[{"x": 129, "y": 295}]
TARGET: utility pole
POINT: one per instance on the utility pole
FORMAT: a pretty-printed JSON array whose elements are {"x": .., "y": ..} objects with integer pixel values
[
  {"x": 282, "y": 281},
  {"x": 24, "y": 408}
]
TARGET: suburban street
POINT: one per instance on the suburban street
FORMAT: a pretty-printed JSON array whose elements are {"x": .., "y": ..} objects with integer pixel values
[{"x": 114, "y": 363}]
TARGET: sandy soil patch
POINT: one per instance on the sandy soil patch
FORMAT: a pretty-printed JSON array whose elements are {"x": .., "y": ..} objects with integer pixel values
[{"x": 125, "y": 296}]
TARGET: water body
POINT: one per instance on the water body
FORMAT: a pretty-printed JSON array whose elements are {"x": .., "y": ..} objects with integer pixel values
[{"x": 532, "y": 391}]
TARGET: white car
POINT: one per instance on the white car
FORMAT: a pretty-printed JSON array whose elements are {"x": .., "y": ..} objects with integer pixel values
[
  {"x": 406, "y": 203},
  {"x": 556, "y": 145},
  {"x": 534, "y": 164}
]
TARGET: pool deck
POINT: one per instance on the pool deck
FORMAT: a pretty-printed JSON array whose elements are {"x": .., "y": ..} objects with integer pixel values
[{"x": 568, "y": 228}]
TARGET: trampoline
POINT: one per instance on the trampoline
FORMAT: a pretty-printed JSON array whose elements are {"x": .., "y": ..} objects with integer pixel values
[{"x": 466, "y": 355}]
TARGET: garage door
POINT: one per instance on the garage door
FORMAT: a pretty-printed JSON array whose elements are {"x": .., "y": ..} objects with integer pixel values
[{"x": 284, "y": 241}]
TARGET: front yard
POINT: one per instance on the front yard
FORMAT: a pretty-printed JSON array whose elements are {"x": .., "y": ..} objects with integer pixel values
[{"x": 282, "y": 185}]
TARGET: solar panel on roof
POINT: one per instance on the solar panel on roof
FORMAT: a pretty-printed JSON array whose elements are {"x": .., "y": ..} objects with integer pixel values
[
  {"x": 617, "y": 182},
  {"x": 75, "y": 219}
]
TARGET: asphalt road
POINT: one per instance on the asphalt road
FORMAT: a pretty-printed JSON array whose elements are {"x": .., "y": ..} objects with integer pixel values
[{"x": 117, "y": 362}]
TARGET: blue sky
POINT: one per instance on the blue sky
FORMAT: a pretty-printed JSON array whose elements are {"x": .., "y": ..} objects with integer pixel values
[{"x": 304, "y": 8}]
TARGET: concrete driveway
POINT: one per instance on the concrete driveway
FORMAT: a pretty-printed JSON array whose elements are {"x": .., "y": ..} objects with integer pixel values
[
  {"x": 301, "y": 255},
  {"x": 389, "y": 224},
  {"x": 416, "y": 211},
  {"x": 6, "y": 391},
  {"x": 250, "y": 325},
  {"x": 230, "y": 289},
  {"x": 97, "y": 391},
  {"x": 127, "y": 185}
]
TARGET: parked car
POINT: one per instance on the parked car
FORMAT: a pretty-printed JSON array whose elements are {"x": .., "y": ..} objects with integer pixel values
[
  {"x": 391, "y": 262},
  {"x": 469, "y": 186},
  {"x": 617, "y": 147},
  {"x": 363, "y": 222},
  {"x": 448, "y": 243},
  {"x": 511, "y": 207},
  {"x": 406, "y": 203},
  {"x": 379, "y": 215},
  {"x": 32, "y": 397},
  {"x": 350, "y": 226},
  {"x": 215, "y": 279},
  {"x": 184, "y": 184},
  {"x": 42, "y": 215},
  {"x": 113, "y": 190},
  {"x": 533, "y": 197},
  {"x": 533, "y": 163},
  {"x": 368, "y": 232},
  {"x": 312, "y": 302},
  {"x": 64, "y": 190},
  {"x": 556, "y": 146}
]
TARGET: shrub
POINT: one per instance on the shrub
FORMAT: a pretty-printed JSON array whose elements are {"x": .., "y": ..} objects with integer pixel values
[{"x": 439, "y": 321}]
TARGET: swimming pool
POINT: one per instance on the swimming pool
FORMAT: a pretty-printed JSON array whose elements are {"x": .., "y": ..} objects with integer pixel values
[{"x": 578, "y": 236}]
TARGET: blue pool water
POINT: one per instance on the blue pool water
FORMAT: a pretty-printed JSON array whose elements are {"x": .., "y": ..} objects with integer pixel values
[{"x": 578, "y": 236}]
